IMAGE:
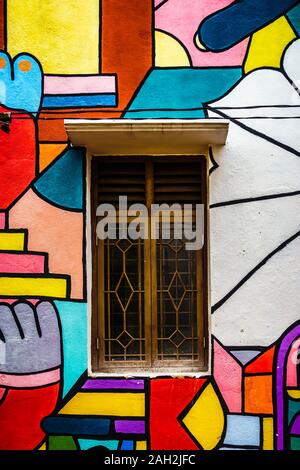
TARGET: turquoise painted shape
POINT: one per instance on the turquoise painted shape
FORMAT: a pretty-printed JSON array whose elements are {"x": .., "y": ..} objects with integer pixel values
[
  {"x": 293, "y": 409},
  {"x": 62, "y": 183},
  {"x": 175, "y": 93},
  {"x": 86, "y": 444},
  {"x": 73, "y": 317},
  {"x": 21, "y": 89},
  {"x": 294, "y": 17}
]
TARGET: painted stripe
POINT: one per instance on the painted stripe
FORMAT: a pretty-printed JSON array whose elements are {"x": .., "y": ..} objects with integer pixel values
[
  {"x": 102, "y": 384},
  {"x": 57, "y": 85},
  {"x": 268, "y": 434},
  {"x": 31, "y": 380},
  {"x": 33, "y": 287},
  {"x": 21, "y": 263},
  {"x": 73, "y": 425},
  {"x": 2, "y": 220},
  {"x": 12, "y": 241},
  {"x": 60, "y": 101},
  {"x": 107, "y": 404},
  {"x": 130, "y": 427}
]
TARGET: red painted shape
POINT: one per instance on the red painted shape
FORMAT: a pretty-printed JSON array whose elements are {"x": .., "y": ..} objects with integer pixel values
[
  {"x": 2, "y": 25},
  {"x": 262, "y": 363},
  {"x": 168, "y": 399},
  {"x": 17, "y": 156},
  {"x": 21, "y": 414}
]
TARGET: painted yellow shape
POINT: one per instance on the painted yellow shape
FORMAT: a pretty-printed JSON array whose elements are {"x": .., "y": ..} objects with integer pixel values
[
  {"x": 48, "y": 153},
  {"x": 268, "y": 44},
  {"x": 12, "y": 241},
  {"x": 43, "y": 447},
  {"x": 141, "y": 445},
  {"x": 205, "y": 420},
  {"x": 268, "y": 434},
  {"x": 110, "y": 404},
  {"x": 169, "y": 52},
  {"x": 33, "y": 287},
  {"x": 63, "y": 35},
  {"x": 295, "y": 394}
]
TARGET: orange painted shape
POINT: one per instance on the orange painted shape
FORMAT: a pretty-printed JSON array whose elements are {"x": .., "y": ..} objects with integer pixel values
[
  {"x": 127, "y": 43},
  {"x": 258, "y": 394},
  {"x": 55, "y": 231},
  {"x": 48, "y": 153},
  {"x": 262, "y": 363}
]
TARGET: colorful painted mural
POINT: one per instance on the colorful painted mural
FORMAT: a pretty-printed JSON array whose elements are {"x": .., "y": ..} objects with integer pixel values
[{"x": 150, "y": 59}]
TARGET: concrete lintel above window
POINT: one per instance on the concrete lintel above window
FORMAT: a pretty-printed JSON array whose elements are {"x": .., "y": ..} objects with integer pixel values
[{"x": 146, "y": 137}]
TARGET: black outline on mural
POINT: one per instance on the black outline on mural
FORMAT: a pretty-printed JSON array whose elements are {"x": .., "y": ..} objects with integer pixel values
[
  {"x": 253, "y": 271},
  {"x": 254, "y": 199}
]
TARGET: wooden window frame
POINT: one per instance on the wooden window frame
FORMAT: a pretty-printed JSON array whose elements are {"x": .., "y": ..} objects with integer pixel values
[{"x": 97, "y": 346}]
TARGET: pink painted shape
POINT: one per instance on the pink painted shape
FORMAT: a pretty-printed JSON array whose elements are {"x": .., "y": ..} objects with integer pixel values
[
  {"x": 55, "y": 231},
  {"x": 227, "y": 373},
  {"x": 291, "y": 373},
  {"x": 13, "y": 301},
  {"x": 182, "y": 18},
  {"x": 30, "y": 380},
  {"x": 2, "y": 220},
  {"x": 55, "y": 85},
  {"x": 21, "y": 263}
]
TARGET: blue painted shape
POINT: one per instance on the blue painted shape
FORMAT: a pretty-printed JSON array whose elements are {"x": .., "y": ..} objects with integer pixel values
[
  {"x": 227, "y": 27},
  {"x": 83, "y": 101},
  {"x": 245, "y": 356},
  {"x": 72, "y": 426},
  {"x": 175, "y": 93},
  {"x": 62, "y": 183},
  {"x": 73, "y": 317},
  {"x": 127, "y": 445},
  {"x": 21, "y": 89},
  {"x": 86, "y": 444},
  {"x": 242, "y": 431},
  {"x": 294, "y": 17}
]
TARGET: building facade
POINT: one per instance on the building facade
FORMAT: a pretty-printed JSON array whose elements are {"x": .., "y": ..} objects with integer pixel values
[{"x": 138, "y": 345}]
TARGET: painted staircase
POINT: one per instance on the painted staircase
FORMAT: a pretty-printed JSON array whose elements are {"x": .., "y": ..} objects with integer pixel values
[{"x": 23, "y": 273}]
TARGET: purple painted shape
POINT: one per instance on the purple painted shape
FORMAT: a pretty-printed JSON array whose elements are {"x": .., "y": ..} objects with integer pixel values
[
  {"x": 296, "y": 427},
  {"x": 130, "y": 427},
  {"x": 282, "y": 358},
  {"x": 104, "y": 384}
]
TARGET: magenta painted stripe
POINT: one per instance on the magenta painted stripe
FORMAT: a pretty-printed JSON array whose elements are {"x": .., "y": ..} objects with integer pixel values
[
  {"x": 21, "y": 263},
  {"x": 130, "y": 427},
  {"x": 69, "y": 85},
  {"x": 102, "y": 384},
  {"x": 30, "y": 380},
  {"x": 2, "y": 220},
  {"x": 281, "y": 366}
]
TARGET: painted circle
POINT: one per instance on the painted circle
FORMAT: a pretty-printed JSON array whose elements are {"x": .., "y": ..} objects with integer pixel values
[
  {"x": 25, "y": 65},
  {"x": 2, "y": 63}
]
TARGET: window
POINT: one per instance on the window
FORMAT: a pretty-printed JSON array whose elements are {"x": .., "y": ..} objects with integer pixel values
[{"x": 149, "y": 295}]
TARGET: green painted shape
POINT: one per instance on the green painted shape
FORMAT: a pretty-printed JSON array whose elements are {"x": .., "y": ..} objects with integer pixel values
[
  {"x": 61, "y": 443},
  {"x": 295, "y": 443}
]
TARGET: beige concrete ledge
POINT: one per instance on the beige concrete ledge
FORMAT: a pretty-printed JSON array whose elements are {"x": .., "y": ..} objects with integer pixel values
[{"x": 146, "y": 137}]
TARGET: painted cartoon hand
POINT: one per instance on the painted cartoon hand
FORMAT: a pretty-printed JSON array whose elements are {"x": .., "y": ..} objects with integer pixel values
[{"x": 30, "y": 360}]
